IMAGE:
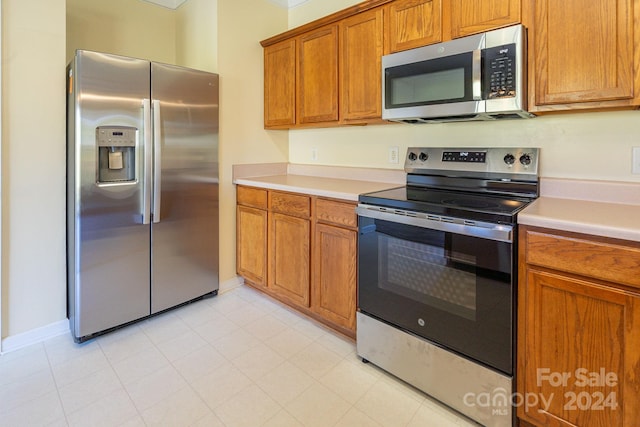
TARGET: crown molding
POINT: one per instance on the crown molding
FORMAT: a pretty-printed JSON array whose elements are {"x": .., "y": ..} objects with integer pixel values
[
  {"x": 169, "y": 4},
  {"x": 174, "y": 4},
  {"x": 288, "y": 4}
]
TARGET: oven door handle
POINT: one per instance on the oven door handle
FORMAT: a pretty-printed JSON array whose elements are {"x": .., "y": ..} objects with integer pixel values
[{"x": 498, "y": 232}]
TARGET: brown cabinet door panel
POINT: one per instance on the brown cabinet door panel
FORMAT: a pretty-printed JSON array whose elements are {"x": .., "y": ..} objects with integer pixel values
[
  {"x": 583, "y": 51},
  {"x": 318, "y": 76},
  {"x": 361, "y": 46},
  {"x": 412, "y": 23},
  {"x": 251, "y": 244},
  {"x": 576, "y": 330},
  {"x": 280, "y": 84},
  {"x": 476, "y": 16},
  {"x": 334, "y": 285},
  {"x": 289, "y": 257}
]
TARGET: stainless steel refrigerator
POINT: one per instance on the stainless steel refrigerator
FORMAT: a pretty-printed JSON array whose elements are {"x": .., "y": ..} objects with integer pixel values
[{"x": 142, "y": 189}]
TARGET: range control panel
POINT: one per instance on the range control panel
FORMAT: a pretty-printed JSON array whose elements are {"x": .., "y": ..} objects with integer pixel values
[{"x": 509, "y": 160}]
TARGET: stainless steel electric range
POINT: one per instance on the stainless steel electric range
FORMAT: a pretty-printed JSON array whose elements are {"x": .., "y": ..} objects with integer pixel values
[{"x": 437, "y": 275}]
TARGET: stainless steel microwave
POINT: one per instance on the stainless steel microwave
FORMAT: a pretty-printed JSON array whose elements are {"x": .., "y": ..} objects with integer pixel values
[{"x": 479, "y": 77}]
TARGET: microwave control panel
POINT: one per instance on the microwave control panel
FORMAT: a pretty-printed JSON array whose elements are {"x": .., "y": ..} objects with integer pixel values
[{"x": 500, "y": 71}]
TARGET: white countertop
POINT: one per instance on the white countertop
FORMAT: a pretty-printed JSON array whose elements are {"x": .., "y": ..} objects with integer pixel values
[
  {"x": 600, "y": 208},
  {"x": 336, "y": 188}
]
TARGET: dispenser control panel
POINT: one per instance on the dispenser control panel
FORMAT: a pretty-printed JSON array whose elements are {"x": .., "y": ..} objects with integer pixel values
[
  {"x": 120, "y": 136},
  {"x": 116, "y": 153}
]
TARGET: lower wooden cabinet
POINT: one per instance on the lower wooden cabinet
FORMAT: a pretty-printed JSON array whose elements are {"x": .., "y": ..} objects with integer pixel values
[
  {"x": 578, "y": 330},
  {"x": 310, "y": 247},
  {"x": 289, "y": 253},
  {"x": 251, "y": 249},
  {"x": 251, "y": 234},
  {"x": 334, "y": 281}
]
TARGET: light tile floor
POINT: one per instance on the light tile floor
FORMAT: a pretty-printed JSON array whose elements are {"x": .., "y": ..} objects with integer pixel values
[{"x": 238, "y": 359}]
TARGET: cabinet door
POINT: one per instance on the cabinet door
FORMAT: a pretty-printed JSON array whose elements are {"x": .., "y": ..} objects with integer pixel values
[
  {"x": 475, "y": 16},
  {"x": 318, "y": 76},
  {"x": 361, "y": 44},
  {"x": 289, "y": 258},
  {"x": 579, "y": 354},
  {"x": 412, "y": 23},
  {"x": 280, "y": 84},
  {"x": 251, "y": 244},
  {"x": 334, "y": 284},
  {"x": 579, "y": 58}
]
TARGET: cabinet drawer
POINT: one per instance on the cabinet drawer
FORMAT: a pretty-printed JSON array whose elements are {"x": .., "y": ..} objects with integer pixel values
[
  {"x": 254, "y": 197},
  {"x": 290, "y": 204},
  {"x": 601, "y": 260},
  {"x": 338, "y": 213}
]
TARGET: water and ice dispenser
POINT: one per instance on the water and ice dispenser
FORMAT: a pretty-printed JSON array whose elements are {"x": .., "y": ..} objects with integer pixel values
[{"x": 116, "y": 153}]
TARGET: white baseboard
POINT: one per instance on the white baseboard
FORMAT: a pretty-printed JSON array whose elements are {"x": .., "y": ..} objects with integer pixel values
[
  {"x": 232, "y": 283},
  {"x": 18, "y": 341}
]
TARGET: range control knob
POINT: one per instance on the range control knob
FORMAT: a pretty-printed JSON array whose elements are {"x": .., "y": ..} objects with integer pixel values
[
  {"x": 525, "y": 159},
  {"x": 509, "y": 159},
  {"x": 412, "y": 156},
  {"x": 423, "y": 157}
]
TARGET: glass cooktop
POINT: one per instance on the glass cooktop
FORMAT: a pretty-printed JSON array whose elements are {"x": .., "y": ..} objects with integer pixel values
[{"x": 476, "y": 206}]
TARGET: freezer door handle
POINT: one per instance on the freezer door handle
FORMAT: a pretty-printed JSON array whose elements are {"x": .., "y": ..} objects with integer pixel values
[
  {"x": 157, "y": 159},
  {"x": 146, "y": 149}
]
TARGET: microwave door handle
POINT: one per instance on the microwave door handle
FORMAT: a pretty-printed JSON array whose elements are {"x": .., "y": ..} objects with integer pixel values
[{"x": 476, "y": 75}]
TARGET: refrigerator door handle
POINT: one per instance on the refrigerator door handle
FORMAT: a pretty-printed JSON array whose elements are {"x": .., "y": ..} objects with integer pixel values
[
  {"x": 146, "y": 188},
  {"x": 157, "y": 160}
]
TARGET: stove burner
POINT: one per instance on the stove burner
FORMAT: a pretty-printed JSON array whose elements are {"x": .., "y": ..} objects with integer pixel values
[{"x": 472, "y": 204}]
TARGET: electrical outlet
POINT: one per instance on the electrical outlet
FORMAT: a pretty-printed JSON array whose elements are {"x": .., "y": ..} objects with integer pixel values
[
  {"x": 635, "y": 158},
  {"x": 393, "y": 155},
  {"x": 314, "y": 154}
]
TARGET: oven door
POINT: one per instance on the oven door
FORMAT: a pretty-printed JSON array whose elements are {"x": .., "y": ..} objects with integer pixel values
[{"x": 453, "y": 289}]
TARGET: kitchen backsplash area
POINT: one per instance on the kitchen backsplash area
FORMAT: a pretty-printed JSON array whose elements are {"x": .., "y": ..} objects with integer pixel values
[{"x": 585, "y": 146}]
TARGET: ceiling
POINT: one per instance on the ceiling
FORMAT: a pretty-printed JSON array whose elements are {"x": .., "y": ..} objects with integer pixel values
[{"x": 174, "y": 4}]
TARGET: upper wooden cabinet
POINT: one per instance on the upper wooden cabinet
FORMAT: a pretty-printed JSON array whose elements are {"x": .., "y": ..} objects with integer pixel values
[
  {"x": 361, "y": 44},
  {"x": 476, "y": 16},
  {"x": 581, "y": 54},
  {"x": 280, "y": 84},
  {"x": 412, "y": 23},
  {"x": 317, "y": 81}
]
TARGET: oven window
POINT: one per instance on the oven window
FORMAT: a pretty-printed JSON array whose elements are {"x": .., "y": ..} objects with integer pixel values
[{"x": 440, "y": 278}]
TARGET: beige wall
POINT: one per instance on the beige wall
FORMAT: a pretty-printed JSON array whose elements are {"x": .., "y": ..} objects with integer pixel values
[
  {"x": 123, "y": 27},
  {"x": 33, "y": 179},
  {"x": 242, "y": 24},
  {"x": 582, "y": 146},
  {"x": 197, "y": 35},
  {"x": 314, "y": 9}
]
